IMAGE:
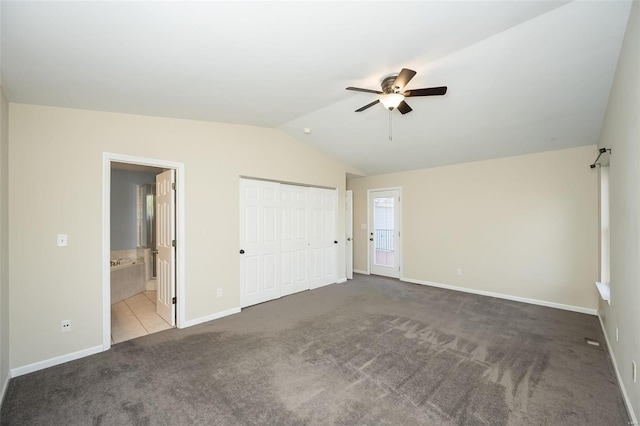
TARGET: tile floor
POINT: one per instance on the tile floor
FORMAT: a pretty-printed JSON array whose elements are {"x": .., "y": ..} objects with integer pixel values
[{"x": 135, "y": 317}]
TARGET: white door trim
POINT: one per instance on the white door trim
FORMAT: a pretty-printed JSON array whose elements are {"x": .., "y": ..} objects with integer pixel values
[
  {"x": 370, "y": 226},
  {"x": 348, "y": 226},
  {"x": 107, "y": 159}
]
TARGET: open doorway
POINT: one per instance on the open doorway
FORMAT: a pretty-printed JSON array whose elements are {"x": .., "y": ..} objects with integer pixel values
[
  {"x": 134, "y": 252},
  {"x": 141, "y": 222}
]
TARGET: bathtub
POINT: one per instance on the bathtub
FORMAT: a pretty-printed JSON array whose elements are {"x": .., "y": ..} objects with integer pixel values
[{"x": 127, "y": 278}]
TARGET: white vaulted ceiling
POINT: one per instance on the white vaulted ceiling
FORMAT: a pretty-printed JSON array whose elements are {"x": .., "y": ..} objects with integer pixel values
[{"x": 523, "y": 76}]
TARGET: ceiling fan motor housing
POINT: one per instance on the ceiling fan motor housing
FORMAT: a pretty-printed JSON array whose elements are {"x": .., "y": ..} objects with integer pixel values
[{"x": 387, "y": 84}]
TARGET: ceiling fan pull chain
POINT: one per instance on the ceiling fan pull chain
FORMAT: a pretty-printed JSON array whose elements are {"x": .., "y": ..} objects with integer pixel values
[{"x": 390, "y": 127}]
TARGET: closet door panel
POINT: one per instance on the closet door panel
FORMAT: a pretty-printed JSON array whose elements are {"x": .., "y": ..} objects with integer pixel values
[
  {"x": 295, "y": 238},
  {"x": 259, "y": 242}
]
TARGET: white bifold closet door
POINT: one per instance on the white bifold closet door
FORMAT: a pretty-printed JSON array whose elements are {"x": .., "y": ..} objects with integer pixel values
[
  {"x": 323, "y": 242},
  {"x": 287, "y": 239},
  {"x": 260, "y": 241},
  {"x": 295, "y": 238}
]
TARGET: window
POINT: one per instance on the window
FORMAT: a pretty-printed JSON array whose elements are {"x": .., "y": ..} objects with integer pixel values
[{"x": 605, "y": 244}]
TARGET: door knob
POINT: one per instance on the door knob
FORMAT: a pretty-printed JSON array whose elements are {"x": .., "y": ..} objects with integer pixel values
[
  {"x": 241, "y": 251},
  {"x": 335, "y": 242},
  {"x": 154, "y": 251},
  {"x": 349, "y": 239}
]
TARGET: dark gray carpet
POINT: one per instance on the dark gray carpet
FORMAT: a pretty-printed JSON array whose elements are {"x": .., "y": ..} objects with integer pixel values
[{"x": 371, "y": 351}]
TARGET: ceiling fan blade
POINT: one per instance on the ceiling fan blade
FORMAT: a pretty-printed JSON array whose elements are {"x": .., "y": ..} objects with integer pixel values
[
  {"x": 404, "y": 107},
  {"x": 368, "y": 105},
  {"x": 357, "y": 89},
  {"x": 431, "y": 91},
  {"x": 403, "y": 78}
]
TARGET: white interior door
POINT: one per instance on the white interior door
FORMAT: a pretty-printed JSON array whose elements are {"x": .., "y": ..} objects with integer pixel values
[
  {"x": 166, "y": 236},
  {"x": 323, "y": 243},
  {"x": 295, "y": 238},
  {"x": 259, "y": 242},
  {"x": 384, "y": 232},
  {"x": 349, "y": 233}
]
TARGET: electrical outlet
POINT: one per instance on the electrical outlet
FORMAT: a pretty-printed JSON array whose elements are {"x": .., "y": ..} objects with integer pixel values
[
  {"x": 634, "y": 371},
  {"x": 459, "y": 271},
  {"x": 219, "y": 292},
  {"x": 65, "y": 325}
]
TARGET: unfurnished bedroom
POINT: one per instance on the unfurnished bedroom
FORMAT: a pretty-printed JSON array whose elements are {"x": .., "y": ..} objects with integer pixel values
[{"x": 302, "y": 212}]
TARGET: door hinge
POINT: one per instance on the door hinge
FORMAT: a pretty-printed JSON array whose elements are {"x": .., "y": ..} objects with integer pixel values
[
  {"x": 173, "y": 186},
  {"x": 173, "y": 300},
  {"x": 173, "y": 243}
]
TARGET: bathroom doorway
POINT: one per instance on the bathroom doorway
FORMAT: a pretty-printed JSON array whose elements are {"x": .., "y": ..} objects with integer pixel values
[
  {"x": 140, "y": 296},
  {"x": 133, "y": 252}
]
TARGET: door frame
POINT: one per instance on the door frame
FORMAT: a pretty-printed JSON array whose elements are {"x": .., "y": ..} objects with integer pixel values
[
  {"x": 370, "y": 226},
  {"x": 107, "y": 159},
  {"x": 348, "y": 244}
]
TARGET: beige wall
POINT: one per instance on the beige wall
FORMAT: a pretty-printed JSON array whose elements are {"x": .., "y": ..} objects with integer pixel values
[
  {"x": 621, "y": 133},
  {"x": 56, "y": 187},
  {"x": 522, "y": 226},
  {"x": 4, "y": 238}
]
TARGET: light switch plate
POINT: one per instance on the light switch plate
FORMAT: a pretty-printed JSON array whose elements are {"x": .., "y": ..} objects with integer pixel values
[{"x": 62, "y": 240}]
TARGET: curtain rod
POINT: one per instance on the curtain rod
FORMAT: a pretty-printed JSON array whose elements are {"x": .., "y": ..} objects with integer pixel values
[{"x": 600, "y": 152}]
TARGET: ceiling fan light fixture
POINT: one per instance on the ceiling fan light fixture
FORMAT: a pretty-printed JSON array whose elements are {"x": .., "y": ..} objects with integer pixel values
[
  {"x": 392, "y": 94},
  {"x": 391, "y": 100}
]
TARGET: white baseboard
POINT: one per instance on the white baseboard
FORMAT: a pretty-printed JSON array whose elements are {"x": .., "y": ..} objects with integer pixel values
[
  {"x": 505, "y": 296},
  {"x": 341, "y": 280},
  {"x": 357, "y": 271},
  {"x": 211, "y": 317},
  {"x": 5, "y": 385},
  {"x": 41, "y": 365},
  {"x": 152, "y": 284},
  {"x": 625, "y": 396}
]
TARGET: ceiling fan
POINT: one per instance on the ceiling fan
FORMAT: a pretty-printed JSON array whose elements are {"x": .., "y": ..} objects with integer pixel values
[{"x": 392, "y": 94}]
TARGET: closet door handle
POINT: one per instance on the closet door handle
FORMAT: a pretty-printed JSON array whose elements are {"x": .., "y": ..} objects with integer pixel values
[
  {"x": 241, "y": 251},
  {"x": 335, "y": 242}
]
